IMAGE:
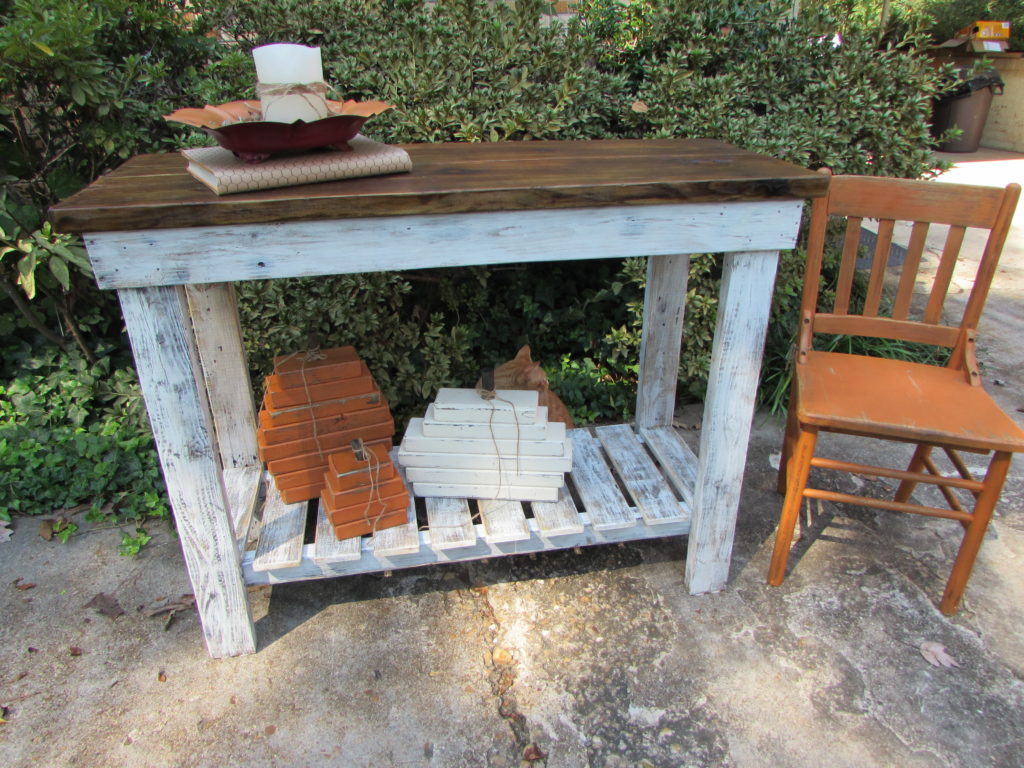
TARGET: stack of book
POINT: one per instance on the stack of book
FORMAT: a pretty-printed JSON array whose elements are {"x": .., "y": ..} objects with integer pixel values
[
  {"x": 363, "y": 493},
  {"x": 315, "y": 405},
  {"x": 471, "y": 447}
]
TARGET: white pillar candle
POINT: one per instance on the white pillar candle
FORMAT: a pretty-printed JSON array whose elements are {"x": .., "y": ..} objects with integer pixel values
[{"x": 280, "y": 68}]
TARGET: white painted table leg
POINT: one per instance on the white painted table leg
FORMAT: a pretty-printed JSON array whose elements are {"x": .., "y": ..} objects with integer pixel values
[
  {"x": 214, "y": 311},
  {"x": 743, "y": 308},
  {"x": 664, "y": 302},
  {"x": 168, "y": 366}
]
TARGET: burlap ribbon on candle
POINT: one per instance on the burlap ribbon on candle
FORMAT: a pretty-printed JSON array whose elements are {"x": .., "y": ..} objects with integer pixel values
[{"x": 312, "y": 93}]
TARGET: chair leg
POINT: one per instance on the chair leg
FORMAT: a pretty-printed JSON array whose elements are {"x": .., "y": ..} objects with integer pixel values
[
  {"x": 797, "y": 469},
  {"x": 922, "y": 452},
  {"x": 975, "y": 533},
  {"x": 789, "y": 440}
]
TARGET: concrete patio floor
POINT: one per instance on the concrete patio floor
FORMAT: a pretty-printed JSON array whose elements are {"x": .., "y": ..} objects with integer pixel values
[{"x": 593, "y": 659}]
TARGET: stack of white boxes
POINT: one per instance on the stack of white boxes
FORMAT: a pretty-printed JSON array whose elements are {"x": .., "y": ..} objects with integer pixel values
[{"x": 470, "y": 447}]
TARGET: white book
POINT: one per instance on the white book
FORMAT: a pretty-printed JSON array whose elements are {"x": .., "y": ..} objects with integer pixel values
[
  {"x": 515, "y": 493},
  {"x": 485, "y": 476},
  {"x": 409, "y": 458},
  {"x": 539, "y": 429},
  {"x": 416, "y": 441},
  {"x": 465, "y": 406}
]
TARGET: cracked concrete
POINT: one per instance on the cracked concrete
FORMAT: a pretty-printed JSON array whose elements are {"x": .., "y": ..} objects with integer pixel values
[{"x": 593, "y": 659}]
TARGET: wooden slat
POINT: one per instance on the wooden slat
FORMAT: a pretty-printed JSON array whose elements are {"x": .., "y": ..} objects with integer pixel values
[
  {"x": 909, "y": 200},
  {"x": 242, "y": 486},
  {"x": 664, "y": 303},
  {"x": 908, "y": 276},
  {"x": 503, "y": 520},
  {"x": 883, "y": 245},
  {"x": 283, "y": 525},
  {"x": 369, "y": 563},
  {"x": 943, "y": 274},
  {"x": 327, "y": 548},
  {"x": 214, "y": 313},
  {"x": 449, "y": 523},
  {"x": 165, "y": 356},
  {"x": 886, "y": 328},
  {"x": 847, "y": 267},
  {"x": 307, "y": 249},
  {"x": 678, "y": 462},
  {"x": 596, "y": 485},
  {"x": 558, "y": 518},
  {"x": 639, "y": 474},
  {"x": 402, "y": 539},
  {"x": 156, "y": 191}
]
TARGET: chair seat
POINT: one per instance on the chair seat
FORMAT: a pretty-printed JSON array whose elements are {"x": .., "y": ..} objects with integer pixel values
[{"x": 902, "y": 401}]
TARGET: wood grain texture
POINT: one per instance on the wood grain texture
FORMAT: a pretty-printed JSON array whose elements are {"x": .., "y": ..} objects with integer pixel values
[
  {"x": 165, "y": 355},
  {"x": 401, "y": 539},
  {"x": 326, "y": 546},
  {"x": 214, "y": 312},
  {"x": 678, "y": 462},
  {"x": 645, "y": 483},
  {"x": 280, "y": 544},
  {"x": 664, "y": 304},
  {"x": 503, "y": 520},
  {"x": 213, "y": 254},
  {"x": 557, "y": 518},
  {"x": 155, "y": 191},
  {"x": 743, "y": 308},
  {"x": 242, "y": 486},
  {"x": 596, "y": 485},
  {"x": 450, "y": 523}
]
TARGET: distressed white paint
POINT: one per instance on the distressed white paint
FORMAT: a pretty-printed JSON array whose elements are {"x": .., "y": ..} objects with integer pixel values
[
  {"x": 283, "y": 526},
  {"x": 537, "y": 542},
  {"x": 214, "y": 312},
  {"x": 557, "y": 518},
  {"x": 657, "y": 504},
  {"x": 326, "y": 546},
  {"x": 486, "y": 476},
  {"x": 743, "y": 308},
  {"x": 678, "y": 462},
  {"x": 307, "y": 248},
  {"x": 450, "y": 523},
  {"x": 481, "y": 491},
  {"x": 596, "y": 486},
  {"x": 167, "y": 362},
  {"x": 400, "y": 539},
  {"x": 242, "y": 486},
  {"x": 415, "y": 441},
  {"x": 664, "y": 303},
  {"x": 538, "y": 429},
  {"x": 503, "y": 521},
  {"x": 561, "y": 463}
]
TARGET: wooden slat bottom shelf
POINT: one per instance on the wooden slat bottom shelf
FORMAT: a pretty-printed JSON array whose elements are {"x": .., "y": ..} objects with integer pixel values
[{"x": 623, "y": 487}]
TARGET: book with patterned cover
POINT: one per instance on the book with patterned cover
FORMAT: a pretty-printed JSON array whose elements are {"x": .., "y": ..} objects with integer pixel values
[{"x": 221, "y": 171}]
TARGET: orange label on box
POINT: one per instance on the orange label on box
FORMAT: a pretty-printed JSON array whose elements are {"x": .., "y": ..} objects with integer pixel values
[{"x": 986, "y": 30}]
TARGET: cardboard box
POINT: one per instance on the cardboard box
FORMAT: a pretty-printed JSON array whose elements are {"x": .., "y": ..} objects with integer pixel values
[{"x": 981, "y": 37}]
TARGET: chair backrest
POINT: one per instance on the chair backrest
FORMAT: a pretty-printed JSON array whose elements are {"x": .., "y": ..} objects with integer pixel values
[{"x": 919, "y": 203}]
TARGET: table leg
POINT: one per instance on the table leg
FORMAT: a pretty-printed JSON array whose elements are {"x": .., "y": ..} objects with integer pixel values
[
  {"x": 744, "y": 305},
  {"x": 664, "y": 302},
  {"x": 214, "y": 311},
  {"x": 165, "y": 355}
]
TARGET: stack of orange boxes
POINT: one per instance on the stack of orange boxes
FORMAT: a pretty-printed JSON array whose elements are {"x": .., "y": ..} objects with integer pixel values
[
  {"x": 315, "y": 405},
  {"x": 363, "y": 493}
]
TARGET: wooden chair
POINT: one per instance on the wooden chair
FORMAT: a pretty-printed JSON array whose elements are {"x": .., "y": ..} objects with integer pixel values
[{"x": 932, "y": 406}]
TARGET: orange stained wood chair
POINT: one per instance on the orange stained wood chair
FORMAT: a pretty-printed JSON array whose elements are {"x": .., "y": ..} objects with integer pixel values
[{"x": 931, "y": 406}]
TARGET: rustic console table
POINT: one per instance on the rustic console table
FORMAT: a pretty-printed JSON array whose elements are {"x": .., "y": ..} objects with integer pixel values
[{"x": 172, "y": 250}]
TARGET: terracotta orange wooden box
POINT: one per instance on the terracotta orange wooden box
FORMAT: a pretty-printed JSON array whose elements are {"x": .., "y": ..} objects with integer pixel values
[{"x": 315, "y": 405}]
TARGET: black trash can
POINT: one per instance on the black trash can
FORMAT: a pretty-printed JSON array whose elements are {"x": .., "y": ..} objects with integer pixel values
[{"x": 966, "y": 108}]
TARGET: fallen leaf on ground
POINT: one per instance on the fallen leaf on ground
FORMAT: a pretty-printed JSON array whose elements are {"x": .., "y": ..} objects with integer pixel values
[
  {"x": 533, "y": 753},
  {"x": 20, "y": 583},
  {"x": 106, "y": 604},
  {"x": 46, "y": 529},
  {"x": 161, "y": 676},
  {"x": 936, "y": 654},
  {"x": 183, "y": 603},
  {"x": 5, "y": 531},
  {"x": 501, "y": 656},
  {"x": 74, "y": 650}
]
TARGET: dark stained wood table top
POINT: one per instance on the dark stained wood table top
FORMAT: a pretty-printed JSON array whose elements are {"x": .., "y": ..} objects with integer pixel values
[{"x": 156, "y": 192}]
